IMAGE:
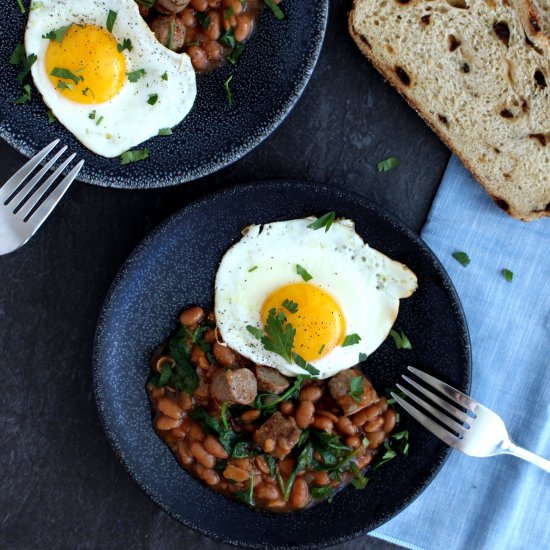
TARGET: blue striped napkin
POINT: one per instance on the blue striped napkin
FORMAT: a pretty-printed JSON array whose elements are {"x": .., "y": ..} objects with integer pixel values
[{"x": 498, "y": 502}]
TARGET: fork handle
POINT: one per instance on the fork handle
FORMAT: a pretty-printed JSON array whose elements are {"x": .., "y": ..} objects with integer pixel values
[{"x": 537, "y": 460}]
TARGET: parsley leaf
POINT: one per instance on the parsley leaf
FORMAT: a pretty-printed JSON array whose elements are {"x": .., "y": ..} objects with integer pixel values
[
  {"x": 290, "y": 306},
  {"x": 388, "y": 164},
  {"x": 153, "y": 98},
  {"x": 51, "y": 117},
  {"x": 228, "y": 90},
  {"x": 279, "y": 337},
  {"x": 126, "y": 45},
  {"x": 25, "y": 97},
  {"x": 58, "y": 34},
  {"x": 508, "y": 275},
  {"x": 165, "y": 375},
  {"x": 321, "y": 349},
  {"x": 390, "y": 454},
  {"x": 19, "y": 57},
  {"x": 401, "y": 341},
  {"x": 134, "y": 76},
  {"x": 21, "y": 7},
  {"x": 324, "y": 221},
  {"x": 303, "y": 273},
  {"x": 351, "y": 340},
  {"x": 256, "y": 332},
  {"x": 203, "y": 19},
  {"x": 235, "y": 54},
  {"x": 111, "y": 18},
  {"x": 362, "y": 357},
  {"x": 321, "y": 492},
  {"x": 303, "y": 364},
  {"x": 253, "y": 268},
  {"x": 223, "y": 414},
  {"x": 360, "y": 481},
  {"x": 227, "y": 38},
  {"x": 275, "y": 9},
  {"x": 133, "y": 156},
  {"x": 165, "y": 76},
  {"x": 86, "y": 90},
  {"x": 65, "y": 74},
  {"x": 165, "y": 132},
  {"x": 184, "y": 375},
  {"x": 228, "y": 13},
  {"x": 461, "y": 257},
  {"x": 92, "y": 115},
  {"x": 356, "y": 388}
]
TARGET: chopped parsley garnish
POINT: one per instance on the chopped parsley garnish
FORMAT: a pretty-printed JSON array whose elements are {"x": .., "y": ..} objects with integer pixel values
[
  {"x": 165, "y": 132},
  {"x": 268, "y": 401},
  {"x": 228, "y": 13},
  {"x": 153, "y": 98},
  {"x": 388, "y": 164},
  {"x": 134, "y": 76},
  {"x": 126, "y": 45},
  {"x": 461, "y": 257},
  {"x": 403, "y": 447},
  {"x": 147, "y": 3},
  {"x": 51, "y": 117},
  {"x": 86, "y": 90},
  {"x": 99, "y": 121},
  {"x": 203, "y": 19},
  {"x": 508, "y": 275},
  {"x": 271, "y": 463},
  {"x": 304, "y": 460},
  {"x": 57, "y": 35},
  {"x": 321, "y": 349},
  {"x": 303, "y": 364},
  {"x": 303, "y": 273},
  {"x": 390, "y": 454},
  {"x": 65, "y": 74},
  {"x": 227, "y": 38},
  {"x": 171, "y": 33},
  {"x": 247, "y": 496},
  {"x": 25, "y": 97},
  {"x": 356, "y": 388},
  {"x": 92, "y": 115},
  {"x": 21, "y": 7},
  {"x": 256, "y": 332},
  {"x": 111, "y": 18},
  {"x": 351, "y": 340},
  {"x": 324, "y": 221},
  {"x": 37, "y": 6},
  {"x": 228, "y": 90},
  {"x": 129, "y": 157},
  {"x": 165, "y": 375},
  {"x": 321, "y": 492},
  {"x": 279, "y": 335},
  {"x": 235, "y": 54},
  {"x": 65, "y": 85},
  {"x": 362, "y": 357},
  {"x": 403, "y": 438},
  {"x": 253, "y": 268},
  {"x": 19, "y": 57},
  {"x": 165, "y": 76},
  {"x": 275, "y": 9},
  {"x": 223, "y": 414},
  {"x": 290, "y": 306},
  {"x": 401, "y": 341},
  {"x": 360, "y": 481}
]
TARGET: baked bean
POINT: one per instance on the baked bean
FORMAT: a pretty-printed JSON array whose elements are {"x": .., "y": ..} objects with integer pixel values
[
  {"x": 364, "y": 460},
  {"x": 262, "y": 464},
  {"x": 287, "y": 407},
  {"x": 165, "y": 423},
  {"x": 157, "y": 392},
  {"x": 299, "y": 495},
  {"x": 243, "y": 28},
  {"x": 234, "y": 473},
  {"x": 374, "y": 425},
  {"x": 199, "y": 5},
  {"x": 304, "y": 414},
  {"x": 185, "y": 401},
  {"x": 213, "y": 30},
  {"x": 267, "y": 491},
  {"x": 214, "y": 52},
  {"x": 322, "y": 423},
  {"x": 346, "y": 426},
  {"x": 183, "y": 453},
  {"x": 390, "y": 418},
  {"x": 283, "y": 446},
  {"x": 353, "y": 441},
  {"x": 196, "y": 432},
  {"x": 235, "y": 5},
  {"x": 192, "y": 316},
  {"x": 188, "y": 18},
  {"x": 223, "y": 355},
  {"x": 327, "y": 414},
  {"x": 198, "y": 58},
  {"x": 229, "y": 22},
  {"x": 201, "y": 455},
  {"x": 214, "y": 3},
  {"x": 376, "y": 439},
  {"x": 269, "y": 445},
  {"x": 287, "y": 465},
  {"x": 214, "y": 447},
  {"x": 320, "y": 478},
  {"x": 169, "y": 407},
  {"x": 208, "y": 475},
  {"x": 181, "y": 431},
  {"x": 243, "y": 463},
  {"x": 311, "y": 393},
  {"x": 276, "y": 504},
  {"x": 383, "y": 405},
  {"x": 250, "y": 416}
]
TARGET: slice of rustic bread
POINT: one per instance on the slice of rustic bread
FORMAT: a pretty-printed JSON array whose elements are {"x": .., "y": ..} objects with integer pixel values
[{"x": 478, "y": 71}]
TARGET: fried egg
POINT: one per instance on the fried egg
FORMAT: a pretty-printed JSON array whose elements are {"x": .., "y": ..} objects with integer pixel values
[
  {"x": 104, "y": 75},
  {"x": 340, "y": 295}
]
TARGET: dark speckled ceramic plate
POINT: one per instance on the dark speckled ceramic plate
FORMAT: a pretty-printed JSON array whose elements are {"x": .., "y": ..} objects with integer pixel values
[
  {"x": 175, "y": 267},
  {"x": 267, "y": 81}
]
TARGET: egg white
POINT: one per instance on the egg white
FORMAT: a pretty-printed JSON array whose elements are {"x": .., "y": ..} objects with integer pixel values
[
  {"x": 366, "y": 284},
  {"x": 128, "y": 119}
]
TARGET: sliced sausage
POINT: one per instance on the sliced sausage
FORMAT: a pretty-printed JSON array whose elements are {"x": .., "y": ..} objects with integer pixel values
[
  {"x": 171, "y": 6},
  {"x": 235, "y": 385},
  {"x": 340, "y": 387},
  {"x": 270, "y": 380},
  {"x": 162, "y": 26},
  {"x": 283, "y": 431}
]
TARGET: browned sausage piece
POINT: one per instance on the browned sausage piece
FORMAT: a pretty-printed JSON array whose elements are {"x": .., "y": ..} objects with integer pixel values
[
  {"x": 162, "y": 27},
  {"x": 340, "y": 386},
  {"x": 171, "y": 6},
  {"x": 235, "y": 386},
  {"x": 282, "y": 430},
  {"x": 270, "y": 380}
]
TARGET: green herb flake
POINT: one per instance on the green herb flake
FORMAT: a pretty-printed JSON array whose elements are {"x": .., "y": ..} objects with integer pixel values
[
  {"x": 321, "y": 492},
  {"x": 390, "y": 454},
  {"x": 165, "y": 375},
  {"x": 92, "y": 115},
  {"x": 321, "y": 349},
  {"x": 57, "y": 35},
  {"x": 171, "y": 33},
  {"x": 165, "y": 132},
  {"x": 86, "y": 90},
  {"x": 325, "y": 221},
  {"x": 134, "y": 76},
  {"x": 51, "y": 117},
  {"x": 136, "y": 155},
  {"x": 126, "y": 45},
  {"x": 279, "y": 335},
  {"x": 21, "y": 7},
  {"x": 271, "y": 462},
  {"x": 388, "y": 164},
  {"x": 351, "y": 340},
  {"x": 153, "y": 98},
  {"x": 363, "y": 357},
  {"x": 228, "y": 90},
  {"x": 303, "y": 273},
  {"x": 25, "y": 97},
  {"x": 401, "y": 340},
  {"x": 290, "y": 306},
  {"x": 66, "y": 74},
  {"x": 223, "y": 415},
  {"x": 227, "y": 38},
  {"x": 461, "y": 257},
  {"x": 228, "y": 13},
  {"x": 165, "y": 76},
  {"x": 360, "y": 481},
  {"x": 65, "y": 85},
  {"x": 253, "y": 268},
  {"x": 275, "y": 9},
  {"x": 256, "y": 332},
  {"x": 111, "y": 18},
  {"x": 19, "y": 57},
  {"x": 233, "y": 57},
  {"x": 37, "y": 6},
  {"x": 356, "y": 388},
  {"x": 203, "y": 19},
  {"x": 99, "y": 121},
  {"x": 303, "y": 364},
  {"x": 508, "y": 275}
]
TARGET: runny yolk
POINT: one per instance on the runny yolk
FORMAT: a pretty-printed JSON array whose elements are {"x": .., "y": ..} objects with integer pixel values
[
  {"x": 319, "y": 321},
  {"x": 97, "y": 67}
]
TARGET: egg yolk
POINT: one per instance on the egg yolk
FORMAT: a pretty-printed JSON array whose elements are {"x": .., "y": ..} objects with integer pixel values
[
  {"x": 88, "y": 65},
  {"x": 319, "y": 321}
]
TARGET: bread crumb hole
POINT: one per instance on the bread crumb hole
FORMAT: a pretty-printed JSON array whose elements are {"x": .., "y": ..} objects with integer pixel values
[
  {"x": 502, "y": 32},
  {"x": 540, "y": 79},
  {"x": 459, "y": 4},
  {"x": 454, "y": 42}
]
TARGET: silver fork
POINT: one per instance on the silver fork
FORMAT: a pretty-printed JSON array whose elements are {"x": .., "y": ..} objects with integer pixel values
[
  {"x": 478, "y": 432},
  {"x": 25, "y": 203}
]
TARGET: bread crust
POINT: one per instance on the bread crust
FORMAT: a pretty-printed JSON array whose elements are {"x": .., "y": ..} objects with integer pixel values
[{"x": 391, "y": 76}]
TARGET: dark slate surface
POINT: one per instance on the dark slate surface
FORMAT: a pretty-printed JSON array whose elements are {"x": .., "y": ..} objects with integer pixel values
[{"x": 61, "y": 486}]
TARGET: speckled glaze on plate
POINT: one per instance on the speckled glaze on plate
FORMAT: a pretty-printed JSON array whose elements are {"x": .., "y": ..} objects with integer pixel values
[
  {"x": 267, "y": 81},
  {"x": 174, "y": 267}
]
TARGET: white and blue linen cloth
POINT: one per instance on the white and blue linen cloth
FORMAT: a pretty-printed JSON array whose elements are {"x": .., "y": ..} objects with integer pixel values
[{"x": 499, "y": 502}]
